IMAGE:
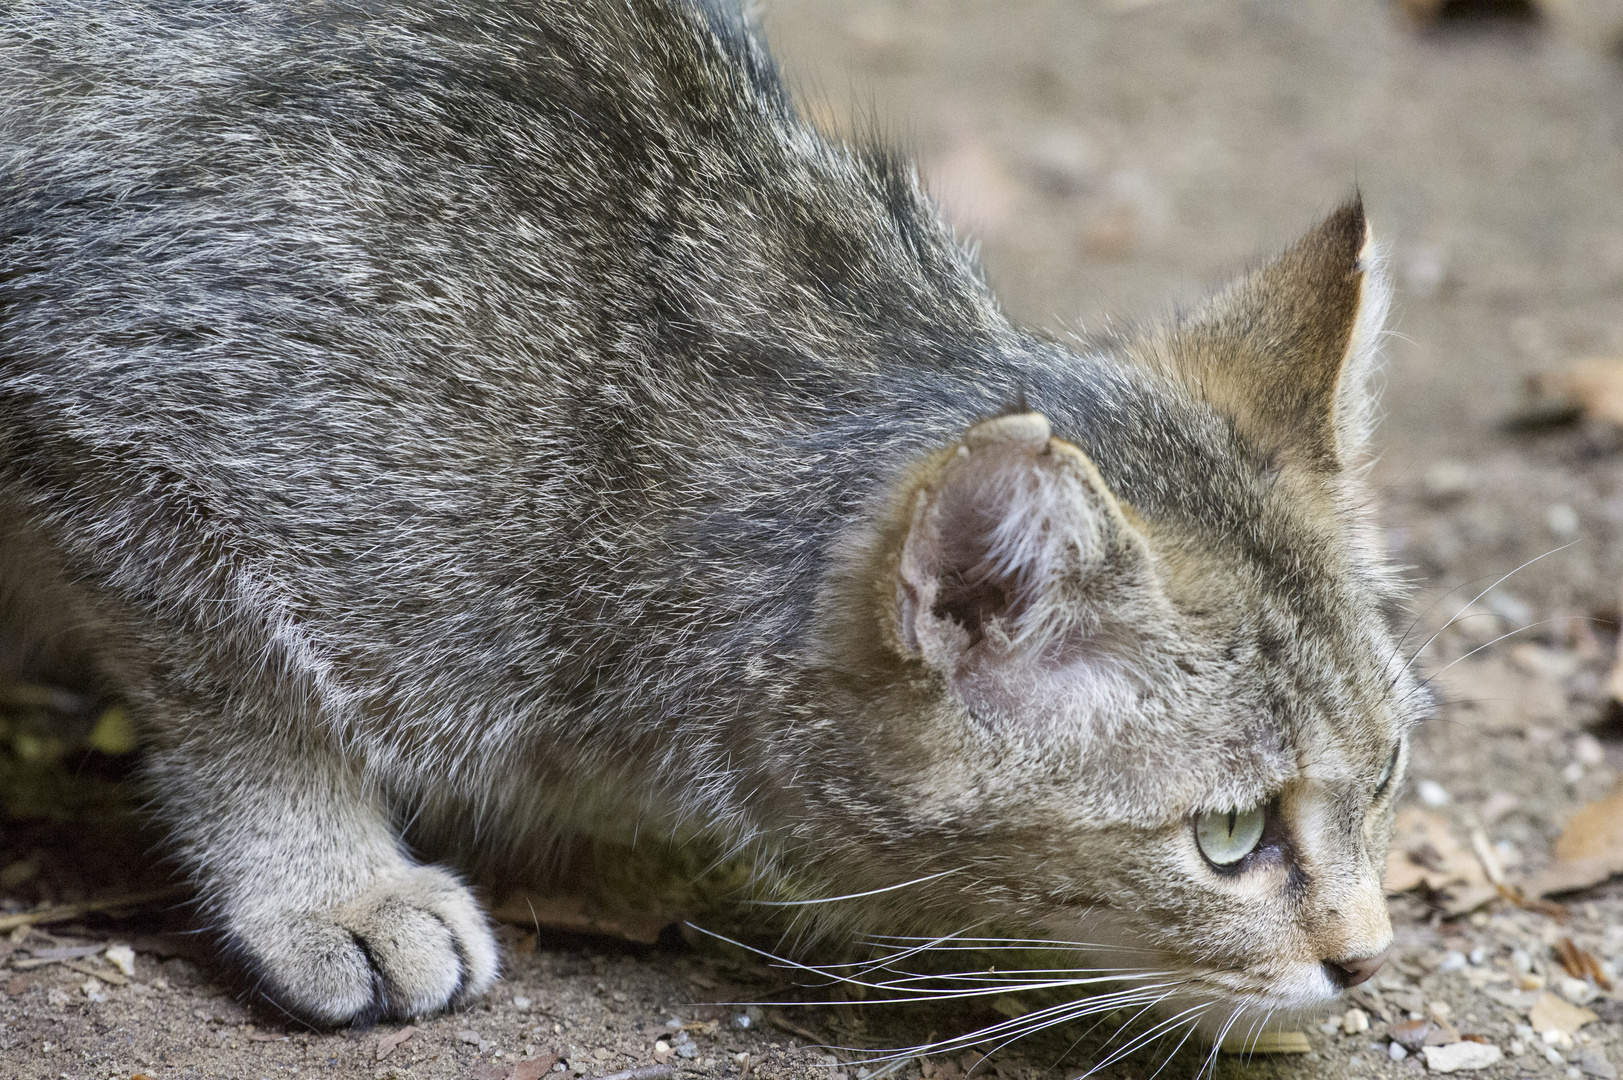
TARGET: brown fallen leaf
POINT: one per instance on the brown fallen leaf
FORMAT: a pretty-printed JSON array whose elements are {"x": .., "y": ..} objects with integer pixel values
[
  {"x": 1442, "y": 1033},
  {"x": 1268, "y": 1042},
  {"x": 1581, "y": 964},
  {"x": 387, "y": 1044},
  {"x": 1551, "y": 1013},
  {"x": 533, "y": 1068},
  {"x": 574, "y": 915},
  {"x": 1411, "y": 1034},
  {"x": 1426, "y": 854},
  {"x": 1589, "y": 850},
  {"x": 1592, "y": 388}
]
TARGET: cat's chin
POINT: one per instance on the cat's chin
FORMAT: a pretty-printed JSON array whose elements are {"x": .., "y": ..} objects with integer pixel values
[
  {"x": 1218, "y": 1002},
  {"x": 1235, "y": 1003}
]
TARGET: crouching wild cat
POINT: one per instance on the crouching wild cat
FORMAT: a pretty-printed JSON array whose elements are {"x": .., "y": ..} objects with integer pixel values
[{"x": 455, "y": 425}]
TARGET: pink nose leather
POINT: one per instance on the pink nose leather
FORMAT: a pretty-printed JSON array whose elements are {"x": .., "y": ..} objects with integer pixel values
[{"x": 1345, "y": 973}]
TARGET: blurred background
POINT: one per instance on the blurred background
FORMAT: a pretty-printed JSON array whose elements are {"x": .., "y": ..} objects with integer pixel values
[{"x": 1117, "y": 157}]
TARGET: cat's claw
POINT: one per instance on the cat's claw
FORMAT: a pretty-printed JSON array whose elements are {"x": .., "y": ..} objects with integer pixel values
[{"x": 414, "y": 943}]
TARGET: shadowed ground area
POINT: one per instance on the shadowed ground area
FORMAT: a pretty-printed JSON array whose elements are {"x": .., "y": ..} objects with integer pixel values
[{"x": 1115, "y": 159}]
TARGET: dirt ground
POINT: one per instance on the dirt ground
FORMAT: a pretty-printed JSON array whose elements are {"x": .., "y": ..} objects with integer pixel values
[{"x": 1116, "y": 157}]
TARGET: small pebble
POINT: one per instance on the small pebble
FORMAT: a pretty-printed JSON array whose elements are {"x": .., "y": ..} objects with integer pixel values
[
  {"x": 1440, "y": 1010},
  {"x": 1432, "y": 793},
  {"x": 1396, "y": 1052},
  {"x": 1577, "y": 991},
  {"x": 95, "y": 990},
  {"x": 1594, "y": 1063},
  {"x": 1553, "y": 1056},
  {"x": 122, "y": 957},
  {"x": 1588, "y": 752},
  {"x": 1453, "y": 960},
  {"x": 521, "y": 1003},
  {"x": 1462, "y": 1056},
  {"x": 1479, "y": 956},
  {"x": 1355, "y": 1022}
]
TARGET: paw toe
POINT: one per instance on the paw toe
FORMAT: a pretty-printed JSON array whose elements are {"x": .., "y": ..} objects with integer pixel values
[{"x": 409, "y": 946}]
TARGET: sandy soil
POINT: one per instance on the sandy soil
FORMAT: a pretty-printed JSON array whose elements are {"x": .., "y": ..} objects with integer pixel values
[{"x": 1116, "y": 158}]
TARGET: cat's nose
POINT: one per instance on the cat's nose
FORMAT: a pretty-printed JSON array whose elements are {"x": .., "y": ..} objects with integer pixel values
[{"x": 1351, "y": 972}]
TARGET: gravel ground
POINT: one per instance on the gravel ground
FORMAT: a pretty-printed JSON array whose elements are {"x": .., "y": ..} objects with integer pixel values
[{"x": 1113, "y": 156}]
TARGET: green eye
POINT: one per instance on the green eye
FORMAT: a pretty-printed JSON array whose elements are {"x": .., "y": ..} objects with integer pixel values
[
  {"x": 1386, "y": 773},
  {"x": 1227, "y": 836}
]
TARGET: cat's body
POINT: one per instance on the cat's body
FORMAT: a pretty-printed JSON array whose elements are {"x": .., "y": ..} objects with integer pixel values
[{"x": 499, "y": 420}]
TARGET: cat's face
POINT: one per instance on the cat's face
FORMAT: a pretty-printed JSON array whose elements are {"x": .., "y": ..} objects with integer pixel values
[{"x": 1145, "y": 697}]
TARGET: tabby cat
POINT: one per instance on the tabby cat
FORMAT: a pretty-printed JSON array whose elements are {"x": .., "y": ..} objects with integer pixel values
[{"x": 457, "y": 424}]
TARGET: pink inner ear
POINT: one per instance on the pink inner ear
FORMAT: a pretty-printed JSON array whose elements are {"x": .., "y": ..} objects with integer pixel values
[
  {"x": 982, "y": 520},
  {"x": 977, "y": 555}
]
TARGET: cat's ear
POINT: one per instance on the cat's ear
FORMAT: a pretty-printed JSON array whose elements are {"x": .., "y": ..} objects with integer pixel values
[
  {"x": 1016, "y": 554},
  {"x": 1288, "y": 351}
]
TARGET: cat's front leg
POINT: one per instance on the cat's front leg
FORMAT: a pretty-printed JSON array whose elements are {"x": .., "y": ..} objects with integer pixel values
[{"x": 299, "y": 864}]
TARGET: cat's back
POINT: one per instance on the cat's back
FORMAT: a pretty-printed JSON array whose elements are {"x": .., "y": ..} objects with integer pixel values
[{"x": 407, "y": 314}]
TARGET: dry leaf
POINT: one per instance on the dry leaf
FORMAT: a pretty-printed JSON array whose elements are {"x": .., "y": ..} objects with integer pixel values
[
  {"x": 1593, "y": 388},
  {"x": 1268, "y": 1042},
  {"x": 387, "y": 1043},
  {"x": 1411, "y": 1034},
  {"x": 1552, "y": 1013},
  {"x": 1426, "y": 853},
  {"x": 1581, "y": 964},
  {"x": 533, "y": 1068},
  {"x": 1589, "y": 850},
  {"x": 1595, "y": 830}
]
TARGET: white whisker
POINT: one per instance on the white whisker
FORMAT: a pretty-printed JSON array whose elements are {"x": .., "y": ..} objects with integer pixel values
[
  {"x": 1474, "y": 599},
  {"x": 857, "y": 896}
]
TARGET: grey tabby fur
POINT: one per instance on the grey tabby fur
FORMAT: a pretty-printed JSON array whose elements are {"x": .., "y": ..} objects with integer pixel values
[{"x": 465, "y": 423}]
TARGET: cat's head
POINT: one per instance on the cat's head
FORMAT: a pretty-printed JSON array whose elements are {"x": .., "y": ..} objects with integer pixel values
[{"x": 1124, "y": 668}]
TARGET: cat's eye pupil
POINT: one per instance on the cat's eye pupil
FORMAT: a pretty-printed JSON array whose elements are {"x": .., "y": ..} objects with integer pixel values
[{"x": 1227, "y": 836}]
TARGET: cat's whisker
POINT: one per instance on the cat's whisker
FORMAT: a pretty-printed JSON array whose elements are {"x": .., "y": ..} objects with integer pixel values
[
  {"x": 860, "y": 895},
  {"x": 1210, "y": 1068},
  {"x": 969, "y": 944},
  {"x": 1030, "y": 1023},
  {"x": 1159, "y": 1028},
  {"x": 1501, "y": 580},
  {"x": 1194, "y": 1024},
  {"x": 1520, "y": 629},
  {"x": 932, "y": 994}
]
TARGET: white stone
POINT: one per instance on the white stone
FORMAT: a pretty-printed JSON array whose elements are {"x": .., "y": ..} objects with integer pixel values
[
  {"x": 1355, "y": 1022},
  {"x": 1577, "y": 991},
  {"x": 1462, "y": 1056},
  {"x": 1432, "y": 793},
  {"x": 1396, "y": 1051},
  {"x": 521, "y": 1003},
  {"x": 122, "y": 957}
]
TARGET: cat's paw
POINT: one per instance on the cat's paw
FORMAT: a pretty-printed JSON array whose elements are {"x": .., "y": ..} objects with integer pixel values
[{"x": 414, "y": 943}]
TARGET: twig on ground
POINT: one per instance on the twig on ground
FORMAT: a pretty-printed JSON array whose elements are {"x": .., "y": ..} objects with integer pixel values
[{"x": 64, "y": 912}]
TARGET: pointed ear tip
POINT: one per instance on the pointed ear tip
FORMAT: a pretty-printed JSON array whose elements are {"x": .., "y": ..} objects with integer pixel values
[{"x": 1029, "y": 429}]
